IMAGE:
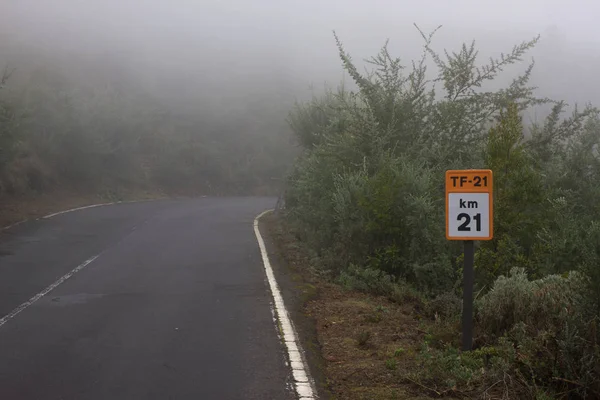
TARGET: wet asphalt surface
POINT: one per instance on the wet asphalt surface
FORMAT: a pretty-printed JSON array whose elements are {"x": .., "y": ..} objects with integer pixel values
[{"x": 175, "y": 306}]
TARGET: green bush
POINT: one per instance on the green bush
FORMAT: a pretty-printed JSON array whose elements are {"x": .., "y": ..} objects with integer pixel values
[
  {"x": 445, "y": 306},
  {"x": 369, "y": 188},
  {"x": 375, "y": 281},
  {"x": 549, "y": 324},
  {"x": 367, "y": 195},
  {"x": 542, "y": 304},
  {"x": 449, "y": 369},
  {"x": 366, "y": 280}
]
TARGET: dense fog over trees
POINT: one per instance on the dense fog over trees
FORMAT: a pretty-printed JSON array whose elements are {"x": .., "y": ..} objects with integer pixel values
[{"x": 193, "y": 96}]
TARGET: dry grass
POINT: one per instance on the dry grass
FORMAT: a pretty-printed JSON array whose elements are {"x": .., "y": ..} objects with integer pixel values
[{"x": 371, "y": 370}]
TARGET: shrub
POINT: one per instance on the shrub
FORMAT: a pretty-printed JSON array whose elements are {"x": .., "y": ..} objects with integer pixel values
[
  {"x": 541, "y": 304},
  {"x": 449, "y": 369},
  {"x": 446, "y": 305},
  {"x": 366, "y": 280},
  {"x": 548, "y": 323},
  {"x": 375, "y": 281},
  {"x": 368, "y": 196},
  {"x": 369, "y": 188}
]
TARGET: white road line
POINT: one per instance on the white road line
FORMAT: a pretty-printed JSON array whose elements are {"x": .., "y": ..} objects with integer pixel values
[
  {"x": 303, "y": 384},
  {"x": 13, "y": 225},
  {"x": 61, "y": 212},
  {"x": 75, "y": 209},
  {"x": 95, "y": 205},
  {"x": 44, "y": 292},
  {"x": 79, "y": 208}
]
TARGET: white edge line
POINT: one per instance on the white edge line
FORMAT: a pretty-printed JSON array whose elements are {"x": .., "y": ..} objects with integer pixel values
[
  {"x": 96, "y": 205},
  {"x": 78, "y": 208},
  {"x": 303, "y": 383},
  {"x": 13, "y": 225},
  {"x": 64, "y": 212},
  {"x": 44, "y": 292},
  {"x": 75, "y": 209}
]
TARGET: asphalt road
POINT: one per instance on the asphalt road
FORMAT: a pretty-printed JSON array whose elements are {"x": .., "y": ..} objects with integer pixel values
[{"x": 175, "y": 306}]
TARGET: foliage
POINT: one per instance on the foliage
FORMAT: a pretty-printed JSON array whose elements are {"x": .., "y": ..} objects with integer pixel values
[
  {"x": 369, "y": 188},
  {"x": 550, "y": 325},
  {"x": 367, "y": 196},
  {"x": 375, "y": 281},
  {"x": 448, "y": 369},
  {"x": 445, "y": 305}
]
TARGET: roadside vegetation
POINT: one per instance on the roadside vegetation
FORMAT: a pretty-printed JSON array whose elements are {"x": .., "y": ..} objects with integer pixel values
[{"x": 366, "y": 202}]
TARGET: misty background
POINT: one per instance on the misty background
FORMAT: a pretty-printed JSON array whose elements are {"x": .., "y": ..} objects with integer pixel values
[{"x": 192, "y": 96}]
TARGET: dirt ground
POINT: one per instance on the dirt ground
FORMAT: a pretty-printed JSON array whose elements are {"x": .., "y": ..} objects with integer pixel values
[{"x": 360, "y": 346}]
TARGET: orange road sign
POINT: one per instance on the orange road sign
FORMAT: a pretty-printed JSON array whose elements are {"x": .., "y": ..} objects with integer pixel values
[{"x": 469, "y": 204}]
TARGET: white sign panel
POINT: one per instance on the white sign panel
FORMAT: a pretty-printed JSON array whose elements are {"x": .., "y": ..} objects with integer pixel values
[{"x": 469, "y": 215}]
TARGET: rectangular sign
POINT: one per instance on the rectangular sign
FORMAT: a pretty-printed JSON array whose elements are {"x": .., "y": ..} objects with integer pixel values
[{"x": 469, "y": 211}]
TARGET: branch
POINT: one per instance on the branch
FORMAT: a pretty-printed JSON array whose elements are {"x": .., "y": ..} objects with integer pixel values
[
  {"x": 6, "y": 73},
  {"x": 426, "y": 387},
  {"x": 574, "y": 383}
]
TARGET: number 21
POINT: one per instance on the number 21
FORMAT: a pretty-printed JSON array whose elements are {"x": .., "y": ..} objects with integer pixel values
[
  {"x": 477, "y": 181},
  {"x": 466, "y": 218}
]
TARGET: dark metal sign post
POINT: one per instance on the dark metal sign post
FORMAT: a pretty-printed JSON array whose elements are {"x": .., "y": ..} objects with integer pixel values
[{"x": 468, "y": 281}]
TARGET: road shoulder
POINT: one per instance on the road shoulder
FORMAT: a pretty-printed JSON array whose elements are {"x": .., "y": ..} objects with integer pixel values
[
  {"x": 358, "y": 346},
  {"x": 297, "y": 291}
]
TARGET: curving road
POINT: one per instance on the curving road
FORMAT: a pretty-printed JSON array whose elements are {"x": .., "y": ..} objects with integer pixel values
[{"x": 174, "y": 306}]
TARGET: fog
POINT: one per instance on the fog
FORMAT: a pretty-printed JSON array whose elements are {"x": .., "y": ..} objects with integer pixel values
[
  {"x": 220, "y": 52},
  {"x": 248, "y": 61}
]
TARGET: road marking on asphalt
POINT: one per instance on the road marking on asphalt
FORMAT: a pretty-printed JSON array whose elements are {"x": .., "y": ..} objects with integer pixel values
[
  {"x": 44, "y": 292},
  {"x": 73, "y": 209},
  {"x": 303, "y": 384},
  {"x": 64, "y": 212},
  {"x": 79, "y": 208},
  {"x": 13, "y": 225}
]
